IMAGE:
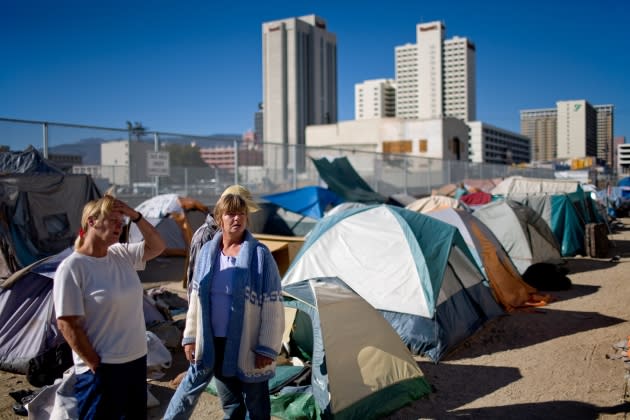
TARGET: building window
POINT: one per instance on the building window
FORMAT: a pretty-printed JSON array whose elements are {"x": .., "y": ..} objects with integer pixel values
[{"x": 423, "y": 145}]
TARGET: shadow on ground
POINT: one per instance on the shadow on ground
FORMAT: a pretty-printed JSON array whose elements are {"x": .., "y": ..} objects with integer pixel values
[
  {"x": 475, "y": 382},
  {"x": 579, "y": 265},
  {"x": 533, "y": 411},
  {"x": 523, "y": 329}
]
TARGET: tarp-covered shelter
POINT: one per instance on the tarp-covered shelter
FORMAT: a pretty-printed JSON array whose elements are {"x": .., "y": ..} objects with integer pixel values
[
  {"x": 40, "y": 215},
  {"x": 343, "y": 179},
  {"x": 30, "y": 161},
  {"x": 523, "y": 233},
  {"x": 416, "y": 270},
  {"x": 40, "y": 208},
  {"x": 507, "y": 284},
  {"x": 360, "y": 369},
  {"x": 311, "y": 201}
]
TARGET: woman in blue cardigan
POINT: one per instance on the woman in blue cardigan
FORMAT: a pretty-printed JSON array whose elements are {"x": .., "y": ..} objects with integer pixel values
[{"x": 235, "y": 319}]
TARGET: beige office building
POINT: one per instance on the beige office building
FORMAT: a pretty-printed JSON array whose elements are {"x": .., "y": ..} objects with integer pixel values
[
  {"x": 299, "y": 83},
  {"x": 540, "y": 126},
  {"x": 574, "y": 129},
  {"x": 605, "y": 134}
]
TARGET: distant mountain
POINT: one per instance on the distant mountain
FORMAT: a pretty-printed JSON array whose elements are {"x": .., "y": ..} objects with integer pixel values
[{"x": 90, "y": 148}]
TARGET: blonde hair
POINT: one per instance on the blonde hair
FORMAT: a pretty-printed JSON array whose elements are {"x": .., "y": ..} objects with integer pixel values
[
  {"x": 97, "y": 209},
  {"x": 240, "y": 190},
  {"x": 230, "y": 203}
]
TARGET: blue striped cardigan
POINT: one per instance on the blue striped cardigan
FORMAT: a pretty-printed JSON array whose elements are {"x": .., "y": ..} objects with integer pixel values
[{"x": 257, "y": 314}]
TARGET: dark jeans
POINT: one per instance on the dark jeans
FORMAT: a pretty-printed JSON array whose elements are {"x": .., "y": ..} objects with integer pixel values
[
  {"x": 240, "y": 399},
  {"x": 115, "y": 391}
]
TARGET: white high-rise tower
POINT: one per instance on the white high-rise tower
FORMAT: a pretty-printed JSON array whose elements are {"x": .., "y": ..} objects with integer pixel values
[
  {"x": 375, "y": 99},
  {"x": 299, "y": 82},
  {"x": 435, "y": 78}
]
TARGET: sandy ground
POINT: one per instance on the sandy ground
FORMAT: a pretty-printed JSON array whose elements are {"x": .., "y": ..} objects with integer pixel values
[{"x": 548, "y": 363}]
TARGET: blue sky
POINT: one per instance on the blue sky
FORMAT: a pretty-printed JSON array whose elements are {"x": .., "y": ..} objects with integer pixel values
[{"x": 194, "y": 67}]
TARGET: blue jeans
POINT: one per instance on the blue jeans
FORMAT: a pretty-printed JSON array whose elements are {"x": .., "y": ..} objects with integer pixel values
[
  {"x": 114, "y": 391},
  {"x": 239, "y": 399}
]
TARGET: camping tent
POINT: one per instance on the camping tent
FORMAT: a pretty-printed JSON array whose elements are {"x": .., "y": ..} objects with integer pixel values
[
  {"x": 415, "y": 269},
  {"x": 27, "y": 320},
  {"x": 524, "y": 185},
  {"x": 566, "y": 219},
  {"x": 175, "y": 218},
  {"x": 433, "y": 202},
  {"x": 509, "y": 287},
  {"x": 359, "y": 366},
  {"x": 40, "y": 215},
  {"x": 523, "y": 233},
  {"x": 28, "y": 325},
  {"x": 344, "y": 206}
]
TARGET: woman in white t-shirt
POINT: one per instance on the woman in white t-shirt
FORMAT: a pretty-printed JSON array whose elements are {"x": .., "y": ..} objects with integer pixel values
[{"x": 98, "y": 303}]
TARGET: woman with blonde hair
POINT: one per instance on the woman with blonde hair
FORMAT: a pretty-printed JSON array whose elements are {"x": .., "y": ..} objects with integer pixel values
[
  {"x": 98, "y": 303},
  {"x": 235, "y": 319}
]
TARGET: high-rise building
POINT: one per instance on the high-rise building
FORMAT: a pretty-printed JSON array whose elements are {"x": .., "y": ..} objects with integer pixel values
[
  {"x": 375, "y": 99},
  {"x": 299, "y": 82},
  {"x": 605, "y": 135},
  {"x": 435, "y": 78},
  {"x": 540, "y": 126},
  {"x": 259, "y": 137},
  {"x": 574, "y": 129}
]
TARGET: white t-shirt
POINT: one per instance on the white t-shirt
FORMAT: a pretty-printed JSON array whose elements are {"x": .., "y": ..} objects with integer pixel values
[{"x": 107, "y": 292}]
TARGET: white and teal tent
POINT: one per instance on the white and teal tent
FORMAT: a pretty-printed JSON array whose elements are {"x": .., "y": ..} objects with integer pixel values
[
  {"x": 416, "y": 270},
  {"x": 523, "y": 232},
  {"x": 360, "y": 369}
]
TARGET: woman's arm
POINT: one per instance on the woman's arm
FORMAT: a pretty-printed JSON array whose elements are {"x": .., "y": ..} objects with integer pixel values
[
  {"x": 154, "y": 245},
  {"x": 71, "y": 328}
]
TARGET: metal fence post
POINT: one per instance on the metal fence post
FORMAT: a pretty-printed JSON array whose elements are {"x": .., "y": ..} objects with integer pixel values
[
  {"x": 405, "y": 167},
  {"x": 45, "y": 133},
  {"x": 235, "y": 161},
  {"x": 156, "y": 148}
]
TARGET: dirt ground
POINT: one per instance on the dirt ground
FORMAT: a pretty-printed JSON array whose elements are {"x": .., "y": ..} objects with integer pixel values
[{"x": 547, "y": 363}]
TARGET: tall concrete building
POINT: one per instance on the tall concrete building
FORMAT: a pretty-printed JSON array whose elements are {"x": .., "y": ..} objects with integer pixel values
[
  {"x": 577, "y": 129},
  {"x": 435, "y": 78},
  {"x": 375, "y": 99},
  {"x": 540, "y": 125},
  {"x": 574, "y": 129},
  {"x": 299, "y": 83},
  {"x": 605, "y": 135}
]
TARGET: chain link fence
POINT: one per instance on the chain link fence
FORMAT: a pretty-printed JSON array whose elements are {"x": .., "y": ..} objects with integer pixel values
[{"x": 120, "y": 158}]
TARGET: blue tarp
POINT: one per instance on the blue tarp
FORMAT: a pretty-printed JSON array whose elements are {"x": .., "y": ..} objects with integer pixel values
[{"x": 310, "y": 201}]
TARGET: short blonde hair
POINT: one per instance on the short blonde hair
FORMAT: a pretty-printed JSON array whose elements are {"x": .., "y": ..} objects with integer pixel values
[
  {"x": 97, "y": 209},
  {"x": 238, "y": 189}
]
